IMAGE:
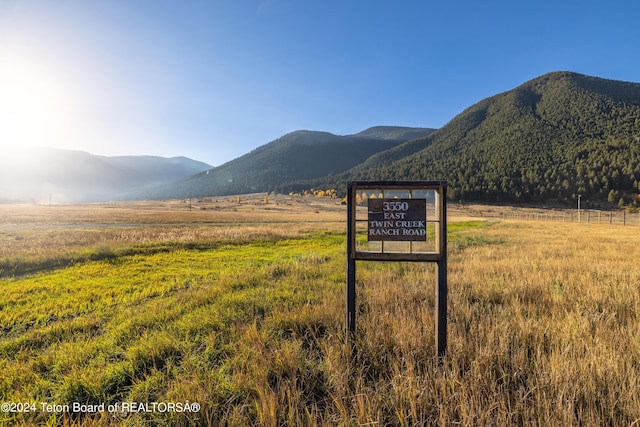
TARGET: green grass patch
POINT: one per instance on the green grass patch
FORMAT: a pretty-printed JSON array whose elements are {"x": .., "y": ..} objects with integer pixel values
[
  {"x": 121, "y": 327},
  {"x": 462, "y": 235}
]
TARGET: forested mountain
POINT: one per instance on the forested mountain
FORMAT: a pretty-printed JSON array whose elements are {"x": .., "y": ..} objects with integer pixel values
[
  {"x": 299, "y": 155},
  {"x": 554, "y": 137}
]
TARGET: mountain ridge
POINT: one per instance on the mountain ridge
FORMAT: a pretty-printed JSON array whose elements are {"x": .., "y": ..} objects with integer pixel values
[
  {"x": 555, "y": 137},
  {"x": 298, "y": 155}
]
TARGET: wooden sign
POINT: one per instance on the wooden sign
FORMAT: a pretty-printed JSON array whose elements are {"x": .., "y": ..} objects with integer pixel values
[
  {"x": 397, "y": 231},
  {"x": 399, "y": 220}
]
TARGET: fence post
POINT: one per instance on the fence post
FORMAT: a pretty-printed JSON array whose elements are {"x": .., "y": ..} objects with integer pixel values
[{"x": 441, "y": 286}]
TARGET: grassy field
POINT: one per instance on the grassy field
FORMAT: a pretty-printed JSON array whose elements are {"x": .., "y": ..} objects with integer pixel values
[{"x": 240, "y": 308}]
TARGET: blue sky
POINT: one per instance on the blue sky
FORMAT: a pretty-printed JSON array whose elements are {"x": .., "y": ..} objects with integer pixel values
[{"x": 212, "y": 80}]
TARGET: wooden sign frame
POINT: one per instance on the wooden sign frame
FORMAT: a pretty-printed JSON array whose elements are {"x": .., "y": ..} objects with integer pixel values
[{"x": 395, "y": 228}]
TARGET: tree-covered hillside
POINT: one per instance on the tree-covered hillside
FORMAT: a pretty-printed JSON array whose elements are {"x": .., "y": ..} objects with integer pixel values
[
  {"x": 299, "y": 155},
  {"x": 554, "y": 137}
]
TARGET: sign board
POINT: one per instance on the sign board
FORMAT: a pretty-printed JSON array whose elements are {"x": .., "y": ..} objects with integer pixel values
[
  {"x": 397, "y": 220},
  {"x": 405, "y": 221}
]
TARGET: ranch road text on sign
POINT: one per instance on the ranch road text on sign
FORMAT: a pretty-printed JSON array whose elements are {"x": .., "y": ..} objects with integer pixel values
[{"x": 397, "y": 220}]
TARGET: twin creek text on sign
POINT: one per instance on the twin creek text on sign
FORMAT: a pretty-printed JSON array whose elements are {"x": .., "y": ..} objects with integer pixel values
[
  {"x": 397, "y": 219},
  {"x": 398, "y": 228}
]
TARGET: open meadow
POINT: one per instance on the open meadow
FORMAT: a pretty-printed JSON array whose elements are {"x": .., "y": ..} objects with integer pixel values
[{"x": 227, "y": 312}]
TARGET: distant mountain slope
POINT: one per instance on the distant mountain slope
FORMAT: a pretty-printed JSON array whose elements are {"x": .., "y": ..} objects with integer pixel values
[
  {"x": 554, "y": 137},
  {"x": 153, "y": 170},
  {"x": 73, "y": 176},
  {"x": 296, "y": 156}
]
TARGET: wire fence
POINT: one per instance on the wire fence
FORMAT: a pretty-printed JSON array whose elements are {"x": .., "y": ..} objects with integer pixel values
[{"x": 587, "y": 216}]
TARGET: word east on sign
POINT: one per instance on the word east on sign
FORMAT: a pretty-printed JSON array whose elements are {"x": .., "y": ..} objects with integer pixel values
[{"x": 397, "y": 220}]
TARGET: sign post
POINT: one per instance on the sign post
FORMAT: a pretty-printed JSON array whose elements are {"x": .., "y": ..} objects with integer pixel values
[{"x": 405, "y": 221}]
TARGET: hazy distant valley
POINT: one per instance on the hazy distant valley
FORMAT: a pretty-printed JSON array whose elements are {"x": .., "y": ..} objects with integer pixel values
[{"x": 39, "y": 174}]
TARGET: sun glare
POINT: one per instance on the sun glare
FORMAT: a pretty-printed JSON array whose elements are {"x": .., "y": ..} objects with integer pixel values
[
  {"x": 34, "y": 108},
  {"x": 13, "y": 129}
]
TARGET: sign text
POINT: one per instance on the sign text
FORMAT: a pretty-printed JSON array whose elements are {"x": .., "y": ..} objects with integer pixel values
[{"x": 397, "y": 220}]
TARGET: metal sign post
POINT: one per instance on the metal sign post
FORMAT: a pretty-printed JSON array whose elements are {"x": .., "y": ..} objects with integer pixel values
[{"x": 405, "y": 221}]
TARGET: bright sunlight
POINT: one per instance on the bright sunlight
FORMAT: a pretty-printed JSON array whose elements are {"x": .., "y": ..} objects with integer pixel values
[{"x": 34, "y": 107}]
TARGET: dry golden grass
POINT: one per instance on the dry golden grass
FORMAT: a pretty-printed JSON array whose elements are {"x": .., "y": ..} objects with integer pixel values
[
  {"x": 543, "y": 330},
  {"x": 251, "y": 208}
]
